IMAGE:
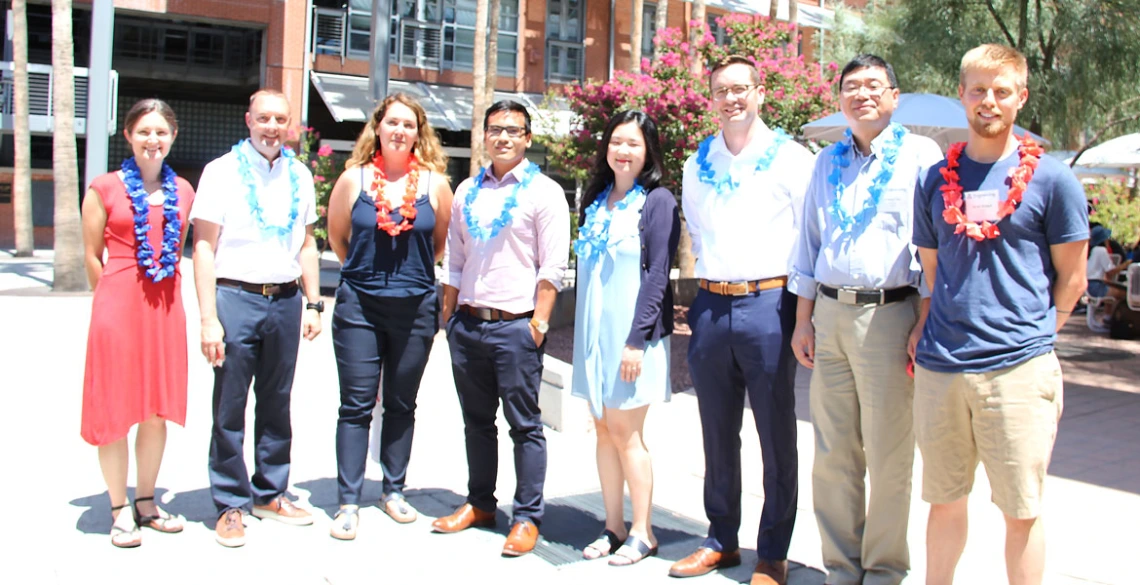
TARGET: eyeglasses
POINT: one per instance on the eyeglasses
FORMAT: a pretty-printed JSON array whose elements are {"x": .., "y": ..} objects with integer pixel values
[
  {"x": 874, "y": 89},
  {"x": 722, "y": 93},
  {"x": 512, "y": 131}
]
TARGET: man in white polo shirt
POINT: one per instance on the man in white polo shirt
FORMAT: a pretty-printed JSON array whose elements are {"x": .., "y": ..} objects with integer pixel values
[{"x": 253, "y": 237}]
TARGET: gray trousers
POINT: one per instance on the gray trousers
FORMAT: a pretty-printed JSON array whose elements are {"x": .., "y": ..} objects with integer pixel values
[{"x": 862, "y": 410}]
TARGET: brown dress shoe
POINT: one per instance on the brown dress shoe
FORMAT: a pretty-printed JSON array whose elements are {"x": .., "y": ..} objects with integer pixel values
[
  {"x": 283, "y": 510},
  {"x": 230, "y": 531},
  {"x": 770, "y": 573},
  {"x": 521, "y": 540},
  {"x": 463, "y": 518},
  {"x": 704, "y": 561}
]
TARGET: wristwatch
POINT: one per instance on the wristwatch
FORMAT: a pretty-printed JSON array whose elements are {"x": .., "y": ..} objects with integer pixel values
[
  {"x": 540, "y": 326},
  {"x": 319, "y": 306}
]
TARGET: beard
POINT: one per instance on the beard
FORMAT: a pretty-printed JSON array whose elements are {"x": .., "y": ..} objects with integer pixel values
[{"x": 989, "y": 129}]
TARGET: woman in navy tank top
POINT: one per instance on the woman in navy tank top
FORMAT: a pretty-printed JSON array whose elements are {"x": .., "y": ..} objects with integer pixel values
[{"x": 387, "y": 218}]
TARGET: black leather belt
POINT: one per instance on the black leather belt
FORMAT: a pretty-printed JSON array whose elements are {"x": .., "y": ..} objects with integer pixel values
[
  {"x": 865, "y": 296},
  {"x": 484, "y": 314},
  {"x": 265, "y": 290}
]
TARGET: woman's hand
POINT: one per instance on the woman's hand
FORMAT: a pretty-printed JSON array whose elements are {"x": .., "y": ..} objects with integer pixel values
[{"x": 631, "y": 363}]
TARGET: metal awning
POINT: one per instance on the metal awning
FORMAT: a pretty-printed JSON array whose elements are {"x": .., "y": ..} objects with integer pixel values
[
  {"x": 816, "y": 17},
  {"x": 448, "y": 107}
]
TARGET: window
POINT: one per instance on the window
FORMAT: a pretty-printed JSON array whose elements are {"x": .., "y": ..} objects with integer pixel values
[
  {"x": 715, "y": 29},
  {"x": 648, "y": 28},
  {"x": 564, "y": 50},
  {"x": 459, "y": 35}
]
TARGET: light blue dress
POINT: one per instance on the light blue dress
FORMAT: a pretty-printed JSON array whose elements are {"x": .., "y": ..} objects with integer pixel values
[{"x": 606, "y": 297}]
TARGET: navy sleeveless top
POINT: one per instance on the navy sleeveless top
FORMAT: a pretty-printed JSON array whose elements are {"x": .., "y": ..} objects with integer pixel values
[{"x": 384, "y": 266}]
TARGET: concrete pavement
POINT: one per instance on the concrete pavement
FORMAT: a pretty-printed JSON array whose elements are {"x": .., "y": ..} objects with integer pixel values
[{"x": 60, "y": 516}]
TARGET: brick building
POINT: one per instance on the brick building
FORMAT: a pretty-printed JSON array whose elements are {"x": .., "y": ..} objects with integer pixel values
[{"x": 206, "y": 56}]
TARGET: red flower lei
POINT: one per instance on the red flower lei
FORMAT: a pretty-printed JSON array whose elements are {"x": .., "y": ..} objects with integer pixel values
[
  {"x": 1019, "y": 179},
  {"x": 383, "y": 209}
]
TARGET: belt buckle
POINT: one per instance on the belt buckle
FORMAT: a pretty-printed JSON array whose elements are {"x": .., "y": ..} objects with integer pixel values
[
  {"x": 847, "y": 296},
  {"x": 738, "y": 289},
  {"x": 268, "y": 290},
  {"x": 483, "y": 313}
]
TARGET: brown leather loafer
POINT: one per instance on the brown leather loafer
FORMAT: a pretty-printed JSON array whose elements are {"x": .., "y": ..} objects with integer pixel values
[
  {"x": 521, "y": 540},
  {"x": 230, "y": 532},
  {"x": 704, "y": 561},
  {"x": 283, "y": 510},
  {"x": 463, "y": 518},
  {"x": 770, "y": 573}
]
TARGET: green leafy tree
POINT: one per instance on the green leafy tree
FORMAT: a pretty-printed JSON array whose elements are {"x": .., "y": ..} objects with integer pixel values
[
  {"x": 1115, "y": 209},
  {"x": 1084, "y": 70},
  {"x": 324, "y": 164}
]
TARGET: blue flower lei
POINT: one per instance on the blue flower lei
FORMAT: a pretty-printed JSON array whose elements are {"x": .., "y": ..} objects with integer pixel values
[
  {"x": 172, "y": 225},
  {"x": 244, "y": 168},
  {"x": 725, "y": 184},
  {"x": 839, "y": 161},
  {"x": 594, "y": 236},
  {"x": 530, "y": 170}
]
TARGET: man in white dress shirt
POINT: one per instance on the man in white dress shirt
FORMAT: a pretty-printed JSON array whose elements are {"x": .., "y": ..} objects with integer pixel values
[
  {"x": 855, "y": 251},
  {"x": 742, "y": 194},
  {"x": 253, "y": 237}
]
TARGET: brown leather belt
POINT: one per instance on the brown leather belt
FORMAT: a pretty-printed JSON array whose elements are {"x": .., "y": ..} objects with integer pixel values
[
  {"x": 747, "y": 287},
  {"x": 493, "y": 314},
  {"x": 265, "y": 290}
]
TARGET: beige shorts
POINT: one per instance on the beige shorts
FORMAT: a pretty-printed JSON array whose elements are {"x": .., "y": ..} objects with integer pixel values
[{"x": 1006, "y": 418}]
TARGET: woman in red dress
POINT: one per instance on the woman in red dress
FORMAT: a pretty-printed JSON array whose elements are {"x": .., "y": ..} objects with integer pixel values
[{"x": 134, "y": 226}]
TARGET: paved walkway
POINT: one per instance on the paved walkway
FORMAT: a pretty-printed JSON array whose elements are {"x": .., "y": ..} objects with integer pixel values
[{"x": 59, "y": 517}]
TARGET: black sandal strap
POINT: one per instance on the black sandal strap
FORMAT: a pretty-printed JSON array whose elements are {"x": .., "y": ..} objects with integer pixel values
[
  {"x": 117, "y": 508},
  {"x": 146, "y": 499}
]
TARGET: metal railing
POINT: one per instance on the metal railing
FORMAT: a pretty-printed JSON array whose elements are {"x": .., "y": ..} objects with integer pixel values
[
  {"x": 420, "y": 44},
  {"x": 40, "y": 108}
]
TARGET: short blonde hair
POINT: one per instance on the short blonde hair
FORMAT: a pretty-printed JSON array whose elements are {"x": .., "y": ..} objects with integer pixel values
[
  {"x": 992, "y": 57},
  {"x": 267, "y": 92}
]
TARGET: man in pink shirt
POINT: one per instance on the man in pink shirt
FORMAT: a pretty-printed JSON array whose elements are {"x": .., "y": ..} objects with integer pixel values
[{"x": 507, "y": 247}]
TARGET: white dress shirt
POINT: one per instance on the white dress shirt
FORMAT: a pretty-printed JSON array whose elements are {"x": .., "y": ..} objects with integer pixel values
[
  {"x": 244, "y": 251},
  {"x": 750, "y": 232},
  {"x": 879, "y": 255}
]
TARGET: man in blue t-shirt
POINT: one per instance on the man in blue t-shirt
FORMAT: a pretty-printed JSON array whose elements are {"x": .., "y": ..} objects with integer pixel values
[{"x": 1002, "y": 234}]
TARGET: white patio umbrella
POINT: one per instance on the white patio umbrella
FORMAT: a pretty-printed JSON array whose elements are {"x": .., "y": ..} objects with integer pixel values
[
  {"x": 941, "y": 118},
  {"x": 1122, "y": 152}
]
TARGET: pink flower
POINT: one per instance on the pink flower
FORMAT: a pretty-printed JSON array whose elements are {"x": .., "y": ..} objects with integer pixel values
[
  {"x": 325, "y": 150},
  {"x": 319, "y": 178}
]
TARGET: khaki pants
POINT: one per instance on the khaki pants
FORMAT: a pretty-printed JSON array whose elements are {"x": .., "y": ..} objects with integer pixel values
[{"x": 861, "y": 406}]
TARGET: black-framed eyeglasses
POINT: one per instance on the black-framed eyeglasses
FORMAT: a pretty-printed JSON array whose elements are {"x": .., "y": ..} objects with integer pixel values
[
  {"x": 874, "y": 89},
  {"x": 512, "y": 131},
  {"x": 721, "y": 93}
]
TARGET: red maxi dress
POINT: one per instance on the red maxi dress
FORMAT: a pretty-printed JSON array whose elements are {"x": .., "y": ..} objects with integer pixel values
[{"x": 136, "y": 345}]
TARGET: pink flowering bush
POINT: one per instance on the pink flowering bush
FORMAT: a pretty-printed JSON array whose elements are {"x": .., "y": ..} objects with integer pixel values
[
  {"x": 323, "y": 164},
  {"x": 797, "y": 92}
]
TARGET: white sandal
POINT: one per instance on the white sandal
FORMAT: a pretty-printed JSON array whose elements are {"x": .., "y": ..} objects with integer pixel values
[{"x": 345, "y": 521}]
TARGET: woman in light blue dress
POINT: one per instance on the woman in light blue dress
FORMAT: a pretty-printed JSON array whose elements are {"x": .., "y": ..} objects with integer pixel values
[{"x": 629, "y": 227}]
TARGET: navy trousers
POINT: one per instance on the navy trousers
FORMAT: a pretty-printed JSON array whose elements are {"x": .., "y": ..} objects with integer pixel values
[
  {"x": 743, "y": 344},
  {"x": 371, "y": 335},
  {"x": 262, "y": 335},
  {"x": 493, "y": 361}
]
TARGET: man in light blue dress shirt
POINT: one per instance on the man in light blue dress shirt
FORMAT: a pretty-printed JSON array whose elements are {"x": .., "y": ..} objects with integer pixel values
[
  {"x": 742, "y": 194},
  {"x": 856, "y": 272}
]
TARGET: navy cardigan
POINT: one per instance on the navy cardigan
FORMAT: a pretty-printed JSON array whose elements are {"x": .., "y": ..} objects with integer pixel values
[{"x": 660, "y": 229}]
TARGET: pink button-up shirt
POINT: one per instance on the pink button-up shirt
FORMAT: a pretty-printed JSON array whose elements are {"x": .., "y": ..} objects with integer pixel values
[{"x": 503, "y": 272}]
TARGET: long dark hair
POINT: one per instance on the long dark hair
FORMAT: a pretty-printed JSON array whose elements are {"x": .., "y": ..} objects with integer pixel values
[{"x": 602, "y": 175}]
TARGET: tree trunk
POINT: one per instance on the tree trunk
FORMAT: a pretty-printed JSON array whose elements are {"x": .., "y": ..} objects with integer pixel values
[
  {"x": 635, "y": 36},
  {"x": 794, "y": 20},
  {"x": 695, "y": 34},
  {"x": 22, "y": 179},
  {"x": 68, "y": 266},
  {"x": 479, "y": 103},
  {"x": 773, "y": 9},
  {"x": 661, "y": 21},
  {"x": 496, "y": 7},
  {"x": 686, "y": 261}
]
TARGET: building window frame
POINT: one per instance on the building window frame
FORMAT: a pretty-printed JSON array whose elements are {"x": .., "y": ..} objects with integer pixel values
[{"x": 565, "y": 50}]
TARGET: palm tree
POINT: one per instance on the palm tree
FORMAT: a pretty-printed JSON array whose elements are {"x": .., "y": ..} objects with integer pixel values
[
  {"x": 68, "y": 265},
  {"x": 773, "y": 8},
  {"x": 22, "y": 182},
  {"x": 695, "y": 65},
  {"x": 479, "y": 85},
  {"x": 496, "y": 7},
  {"x": 794, "y": 20},
  {"x": 662, "y": 19},
  {"x": 635, "y": 36}
]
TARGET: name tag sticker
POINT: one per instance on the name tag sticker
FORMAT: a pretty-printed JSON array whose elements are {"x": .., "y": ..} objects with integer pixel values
[
  {"x": 982, "y": 205},
  {"x": 896, "y": 201}
]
